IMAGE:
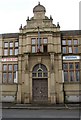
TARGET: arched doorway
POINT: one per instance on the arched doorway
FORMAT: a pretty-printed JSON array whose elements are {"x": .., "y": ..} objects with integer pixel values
[{"x": 40, "y": 83}]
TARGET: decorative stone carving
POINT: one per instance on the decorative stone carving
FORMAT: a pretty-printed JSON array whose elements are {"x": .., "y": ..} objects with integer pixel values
[{"x": 39, "y": 60}]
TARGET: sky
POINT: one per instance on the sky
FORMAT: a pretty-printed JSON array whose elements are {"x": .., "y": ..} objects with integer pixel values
[{"x": 13, "y": 13}]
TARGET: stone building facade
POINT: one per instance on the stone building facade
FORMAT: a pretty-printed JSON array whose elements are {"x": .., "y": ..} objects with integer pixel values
[{"x": 40, "y": 64}]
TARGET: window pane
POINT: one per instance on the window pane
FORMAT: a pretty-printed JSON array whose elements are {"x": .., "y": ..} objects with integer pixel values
[
  {"x": 6, "y": 44},
  {"x": 16, "y": 44},
  {"x": 75, "y": 49},
  {"x": 14, "y": 75},
  {"x": 77, "y": 66},
  {"x": 75, "y": 42},
  {"x": 64, "y": 49},
  {"x": 40, "y": 71},
  {"x": 33, "y": 49},
  {"x": 33, "y": 41},
  {"x": 69, "y": 42},
  {"x": 11, "y": 44},
  {"x": 15, "y": 67},
  {"x": 4, "y": 77},
  {"x": 43, "y": 67},
  {"x": 34, "y": 75},
  {"x": 77, "y": 76},
  {"x": 45, "y": 75},
  {"x": 5, "y": 52},
  {"x": 70, "y": 49},
  {"x": 10, "y": 67},
  {"x": 45, "y": 48},
  {"x": 45, "y": 40},
  {"x": 40, "y": 74},
  {"x": 35, "y": 68},
  {"x": 4, "y": 67},
  {"x": 65, "y": 66},
  {"x": 63, "y": 42},
  {"x": 65, "y": 76},
  {"x": 10, "y": 77},
  {"x": 71, "y": 67},
  {"x": 11, "y": 51},
  {"x": 16, "y": 51},
  {"x": 71, "y": 76}
]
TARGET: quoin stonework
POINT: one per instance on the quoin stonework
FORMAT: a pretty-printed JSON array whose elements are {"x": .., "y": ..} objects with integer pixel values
[{"x": 41, "y": 63}]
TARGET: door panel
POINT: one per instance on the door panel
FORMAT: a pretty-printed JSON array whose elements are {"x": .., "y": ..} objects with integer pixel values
[{"x": 40, "y": 90}]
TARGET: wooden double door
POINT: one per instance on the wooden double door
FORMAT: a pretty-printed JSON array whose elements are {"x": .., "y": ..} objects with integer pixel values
[{"x": 40, "y": 90}]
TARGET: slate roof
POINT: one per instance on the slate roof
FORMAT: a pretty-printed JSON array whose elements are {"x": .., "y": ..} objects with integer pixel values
[
  {"x": 10, "y": 35},
  {"x": 71, "y": 32}
]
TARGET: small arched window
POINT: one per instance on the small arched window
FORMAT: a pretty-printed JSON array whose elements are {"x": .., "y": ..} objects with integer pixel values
[{"x": 39, "y": 71}]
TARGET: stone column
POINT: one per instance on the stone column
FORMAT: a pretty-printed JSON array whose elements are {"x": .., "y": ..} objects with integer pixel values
[
  {"x": 60, "y": 80},
  {"x": 0, "y": 77},
  {"x": 52, "y": 80},
  {"x": 80, "y": 68},
  {"x": 26, "y": 83},
  {"x": 19, "y": 93},
  {"x": 19, "y": 79},
  {"x": 0, "y": 68}
]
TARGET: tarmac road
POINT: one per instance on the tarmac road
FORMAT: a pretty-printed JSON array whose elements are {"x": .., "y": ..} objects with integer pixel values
[{"x": 25, "y": 113}]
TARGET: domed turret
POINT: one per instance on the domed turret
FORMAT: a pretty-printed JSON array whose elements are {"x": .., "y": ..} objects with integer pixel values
[
  {"x": 39, "y": 11},
  {"x": 39, "y": 8}
]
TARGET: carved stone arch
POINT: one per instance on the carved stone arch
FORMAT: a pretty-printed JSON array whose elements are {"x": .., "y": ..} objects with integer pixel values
[
  {"x": 39, "y": 70},
  {"x": 31, "y": 69},
  {"x": 40, "y": 83}
]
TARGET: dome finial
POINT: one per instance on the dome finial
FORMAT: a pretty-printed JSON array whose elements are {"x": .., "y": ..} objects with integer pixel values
[
  {"x": 38, "y": 3},
  {"x": 39, "y": 8}
]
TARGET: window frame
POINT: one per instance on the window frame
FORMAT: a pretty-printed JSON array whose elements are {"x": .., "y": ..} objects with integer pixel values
[
  {"x": 72, "y": 45},
  {"x": 6, "y": 46},
  {"x": 8, "y": 72},
  {"x": 41, "y": 44},
  {"x": 10, "y": 48},
  {"x": 39, "y": 68},
  {"x": 74, "y": 70}
]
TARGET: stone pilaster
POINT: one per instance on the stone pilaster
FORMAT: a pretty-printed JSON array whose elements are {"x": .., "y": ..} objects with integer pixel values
[
  {"x": 0, "y": 68},
  {"x": 19, "y": 93},
  {"x": 80, "y": 68},
  {"x": 52, "y": 80},
  {"x": 26, "y": 82},
  {"x": 19, "y": 69},
  {"x": 0, "y": 79},
  {"x": 19, "y": 79},
  {"x": 60, "y": 80}
]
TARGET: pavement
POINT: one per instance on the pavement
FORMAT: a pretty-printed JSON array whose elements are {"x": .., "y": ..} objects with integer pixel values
[{"x": 40, "y": 106}]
